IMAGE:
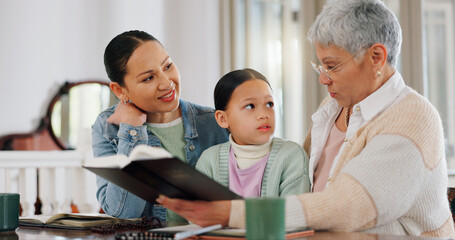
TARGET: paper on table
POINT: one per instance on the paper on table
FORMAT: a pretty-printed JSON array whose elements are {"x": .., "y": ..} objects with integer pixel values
[
  {"x": 233, "y": 232},
  {"x": 189, "y": 233}
]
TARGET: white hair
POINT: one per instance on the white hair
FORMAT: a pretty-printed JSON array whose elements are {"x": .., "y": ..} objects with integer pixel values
[{"x": 357, "y": 24}]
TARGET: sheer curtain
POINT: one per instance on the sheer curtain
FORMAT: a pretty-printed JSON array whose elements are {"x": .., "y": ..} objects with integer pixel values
[
  {"x": 439, "y": 61},
  {"x": 428, "y": 57},
  {"x": 270, "y": 36}
]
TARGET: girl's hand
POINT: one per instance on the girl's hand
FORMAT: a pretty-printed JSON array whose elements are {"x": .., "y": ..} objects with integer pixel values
[
  {"x": 202, "y": 213},
  {"x": 127, "y": 113}
]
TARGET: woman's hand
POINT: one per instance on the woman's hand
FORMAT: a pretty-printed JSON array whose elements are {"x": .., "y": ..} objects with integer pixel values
[
  {"x": 202, "y": 213},
  {"x": 127, "y": 113}
]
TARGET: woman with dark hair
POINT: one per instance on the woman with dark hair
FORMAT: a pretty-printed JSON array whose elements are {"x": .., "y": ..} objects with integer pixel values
[
  {"x": 253, "y": 163},
  {"x": 150, "y": 112}
]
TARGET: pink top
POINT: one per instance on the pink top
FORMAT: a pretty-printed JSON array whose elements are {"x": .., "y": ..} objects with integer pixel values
[
  {"x": 246, "y": 182},
  {"x": 329, "y": 152}
]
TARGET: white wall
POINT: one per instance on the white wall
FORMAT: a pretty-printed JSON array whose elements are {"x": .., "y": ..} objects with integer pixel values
[
  {"x": 45, "y": 43},
  {"x": 193, "y": 41}
]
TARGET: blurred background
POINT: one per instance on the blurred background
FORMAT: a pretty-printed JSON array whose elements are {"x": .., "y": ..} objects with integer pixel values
[{"x": 48, "y": 42}]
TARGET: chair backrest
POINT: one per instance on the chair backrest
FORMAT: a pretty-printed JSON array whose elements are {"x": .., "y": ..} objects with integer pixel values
[
  {"x": 37, "y": 140},
  {"x": 451, "y": 196}
]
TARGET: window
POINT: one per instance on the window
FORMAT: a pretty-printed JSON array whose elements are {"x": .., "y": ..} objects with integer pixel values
[
  {"x": 439, "y": 62},
  {"x": 267, "y": 35},
  {"x": 257, "y": 39}
]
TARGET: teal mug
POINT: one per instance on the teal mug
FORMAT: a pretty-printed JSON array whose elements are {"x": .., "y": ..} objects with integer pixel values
[
  {"x": 9, "y": 211},
  {"x": 265, "y": 218}
]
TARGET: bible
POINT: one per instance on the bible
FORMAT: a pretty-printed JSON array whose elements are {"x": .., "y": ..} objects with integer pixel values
[
  {"x": 150, "y": 171},
  {"x": 73, "y": 221}
]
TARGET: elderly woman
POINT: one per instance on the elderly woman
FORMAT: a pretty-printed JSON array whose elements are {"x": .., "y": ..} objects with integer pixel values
[{"x": 376, "y": 146}]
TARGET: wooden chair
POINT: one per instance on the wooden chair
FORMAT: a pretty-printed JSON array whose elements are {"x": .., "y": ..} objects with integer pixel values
[{"x": 451, "y": 196}]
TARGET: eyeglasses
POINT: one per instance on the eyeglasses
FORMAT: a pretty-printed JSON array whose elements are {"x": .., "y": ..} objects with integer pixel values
[{"x": 320, "y": 69}]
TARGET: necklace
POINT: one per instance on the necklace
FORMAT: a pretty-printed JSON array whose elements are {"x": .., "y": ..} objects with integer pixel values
[{"x": 348, "y": 115}]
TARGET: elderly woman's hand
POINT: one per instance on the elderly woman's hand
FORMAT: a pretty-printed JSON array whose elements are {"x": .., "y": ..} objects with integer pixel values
[
  {"x": 127, "y": 113},
  {"x": 202, "y": 213}
]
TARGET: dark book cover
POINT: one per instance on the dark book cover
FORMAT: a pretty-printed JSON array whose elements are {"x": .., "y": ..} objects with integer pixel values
[{"x": 147, "y": 177}]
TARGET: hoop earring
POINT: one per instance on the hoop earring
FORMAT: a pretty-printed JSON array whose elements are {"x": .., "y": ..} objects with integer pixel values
[{"x": 378, "y": 73}]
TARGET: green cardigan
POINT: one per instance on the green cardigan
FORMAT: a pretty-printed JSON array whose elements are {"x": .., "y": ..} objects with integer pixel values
[{"x": 286, "y": 172}]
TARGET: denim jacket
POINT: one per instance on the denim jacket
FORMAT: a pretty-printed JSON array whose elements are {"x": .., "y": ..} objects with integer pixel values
[{"x": 201, "y": 132}]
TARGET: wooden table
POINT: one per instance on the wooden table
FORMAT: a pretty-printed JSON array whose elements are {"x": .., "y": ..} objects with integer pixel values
[{"x": 28, "y": 233}]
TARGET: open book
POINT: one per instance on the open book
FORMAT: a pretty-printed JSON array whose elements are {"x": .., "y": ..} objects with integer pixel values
[
  {"x": 73, "y": 220},
  {"x": 150, "y": 171},
  {"x": 225, "y": 233}
]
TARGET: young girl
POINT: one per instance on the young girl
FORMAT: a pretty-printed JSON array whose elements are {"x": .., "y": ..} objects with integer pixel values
[{"x": 252, "y": 163}]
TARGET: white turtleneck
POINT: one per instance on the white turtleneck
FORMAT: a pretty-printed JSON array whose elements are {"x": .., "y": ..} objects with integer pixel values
[{"x": 247, "y": 155}]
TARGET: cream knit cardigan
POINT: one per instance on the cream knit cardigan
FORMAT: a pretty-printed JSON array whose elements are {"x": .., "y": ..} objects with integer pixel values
[{"x": 391, "y": 178}]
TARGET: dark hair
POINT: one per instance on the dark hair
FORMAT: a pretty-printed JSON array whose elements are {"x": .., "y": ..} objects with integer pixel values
[
  {"x": 229, "y": 82},
  {"x": 119, "y": 51}
]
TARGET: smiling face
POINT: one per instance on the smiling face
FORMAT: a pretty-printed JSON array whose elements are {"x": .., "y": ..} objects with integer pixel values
[
  {"x": 249, "y": 115},
  {"x": 152, "y": 81},
  {"x": 353, "y": 81}
]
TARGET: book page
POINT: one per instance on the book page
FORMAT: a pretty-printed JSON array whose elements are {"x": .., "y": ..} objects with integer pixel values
[
  {"x": 113, "y": 161},
  {"x": 34, "y": 219},
  {"x": 140, "y": 152},
  {"x": 46, "y": 218},
  {"x": 90, "y": 222},
  {"x": 73, "y": 220},
  {"x": 78, "y": 217}
]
